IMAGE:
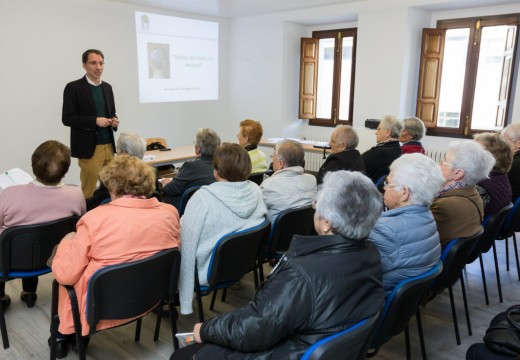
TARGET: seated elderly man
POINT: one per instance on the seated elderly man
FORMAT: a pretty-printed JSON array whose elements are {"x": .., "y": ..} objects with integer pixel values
[
  {"x": 323, "y": 284},
  {"x": 406, "y": 235},
  {"x": 511, "y": 134},
  {"x": 127, "y": 144},
  {"x": 458, "y": 209},
  {"x": 344, "y": 156},
  {"x": 197, "y": 172},
  {"x": 289, "y": 187},
  {"x": 378, "y": 159},
  {"x": 413, "y": 131}
]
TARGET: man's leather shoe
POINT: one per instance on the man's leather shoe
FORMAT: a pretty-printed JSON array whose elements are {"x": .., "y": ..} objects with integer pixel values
[
  {"x": 29, "y": 298},
  {"x": 62, "y": 347}
]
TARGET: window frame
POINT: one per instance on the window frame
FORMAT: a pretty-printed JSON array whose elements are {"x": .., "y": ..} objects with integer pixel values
[
  {"x": 309, "y": 77},
  {"x": 430, "y": 55}
]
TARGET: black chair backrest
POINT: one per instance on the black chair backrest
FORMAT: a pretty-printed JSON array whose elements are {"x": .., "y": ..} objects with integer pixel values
[
  {"x": 402, "y": 304},
  {"x": 27, "y": 247},
  {"x": 186, "y": 196},
  {"x": 512, "y": 221},
  {"x": 236, "y": 254},
  {"x": 454, "y": 258},
  {"x": 492, "y": 225},
  {"x": 257, "y": 178},
  {"x": 290, "y": 222},
  {"x": 351, "y": 343},
  {"x": 130, "y": 289}
]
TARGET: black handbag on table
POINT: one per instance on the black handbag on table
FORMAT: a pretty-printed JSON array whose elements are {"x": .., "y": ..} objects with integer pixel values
[{"x": 503, "y": 334}]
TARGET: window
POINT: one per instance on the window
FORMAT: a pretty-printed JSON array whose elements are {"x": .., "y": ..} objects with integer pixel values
[
  {"x": 327, "y": 66},
  {"x": 466, "y": 74}
]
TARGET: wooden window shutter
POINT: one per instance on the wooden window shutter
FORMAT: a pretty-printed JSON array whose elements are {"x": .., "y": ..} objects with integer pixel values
[
  {"x": 308, "y": 78},
  {"x": 505, "y": 82},
  {"x": 432, "y": 51}
]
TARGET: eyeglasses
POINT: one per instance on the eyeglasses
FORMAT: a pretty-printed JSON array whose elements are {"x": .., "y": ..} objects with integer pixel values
[
  {"x": 444, "y": 162},
  {"x": 386, "y": 184},
  {"x": 94, "y": 63},
  {"x": 313, "y": 204}
]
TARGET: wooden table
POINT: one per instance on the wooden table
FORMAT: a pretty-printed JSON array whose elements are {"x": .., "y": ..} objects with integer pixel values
[
  {"x": 306, "y": 147},
  {"x": 175, "y": 155}
]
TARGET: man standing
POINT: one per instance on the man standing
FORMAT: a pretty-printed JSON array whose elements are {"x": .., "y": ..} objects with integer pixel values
[
  {"x": 288, "y": 187},
  {"x": 89, "y": 110},
  {"x": 344, "y": 156}
]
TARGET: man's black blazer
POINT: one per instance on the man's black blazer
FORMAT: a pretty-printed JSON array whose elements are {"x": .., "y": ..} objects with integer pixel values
[{"x": 79, "y": 113}]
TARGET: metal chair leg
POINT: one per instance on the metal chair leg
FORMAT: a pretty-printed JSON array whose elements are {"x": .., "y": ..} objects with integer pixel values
[
  {"x": 3, "y": 327},
  {"x": 421, "y": 334},
  {"x": 483, "y": 279},
  {"x": 465, "y": 300},
  {"x": 516, "y": 256},
  {"x": 407, "y": 343},
  {"x": 213, "y": 297},
  {"x": 507, "y": 253},
  {"x": 497, "y": 271},
  {"x": 454, "y": 315}
]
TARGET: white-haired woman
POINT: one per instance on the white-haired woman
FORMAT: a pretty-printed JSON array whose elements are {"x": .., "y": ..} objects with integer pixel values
[
  {"x": 378, "y": 158},
  {"x": 458, "y": 209},
  {"x": 406, "y": 235},
  {"x": 413, "y": 131},
  {"x": 322, "y": 285}
]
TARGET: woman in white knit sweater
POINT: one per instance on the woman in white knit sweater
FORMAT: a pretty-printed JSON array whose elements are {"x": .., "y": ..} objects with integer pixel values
[{"x": 231, "y": 204}]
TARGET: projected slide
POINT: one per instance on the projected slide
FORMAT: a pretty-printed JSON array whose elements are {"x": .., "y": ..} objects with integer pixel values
[{"x": 177, "y": 58}]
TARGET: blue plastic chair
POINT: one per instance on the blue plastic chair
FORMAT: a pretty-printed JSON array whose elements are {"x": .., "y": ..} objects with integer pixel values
[
  {"x": 400, "y": 306},
  {"x": 186, "y": 196},
  {"x": 24, "y": 251},
  {"x": 233, "y": 256},
  {"x": 509, "y": 229},
  {"x": 351, "y": 343}
]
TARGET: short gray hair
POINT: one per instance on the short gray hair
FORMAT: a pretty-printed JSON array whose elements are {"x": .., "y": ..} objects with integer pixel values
[
  {"x": 393, "y": 124},
  {"x": 291, "y": 152},
  {"x": 471, "y": 157},
  {"x": 512, "y": 131},
  {"x": 346, "y": 134},
  {"x": 208, "y": 141},
  {"x": 420, "y": 174},
  {"x": 350, "y": 202},
  {"x": 415, "y": 127},
  {"x": 131, "y": 144}
]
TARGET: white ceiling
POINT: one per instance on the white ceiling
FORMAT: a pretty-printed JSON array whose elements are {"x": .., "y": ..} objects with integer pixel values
[{"x": 241, "y": 8}]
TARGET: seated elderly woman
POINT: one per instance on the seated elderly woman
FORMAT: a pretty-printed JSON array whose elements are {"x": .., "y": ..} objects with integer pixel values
[
  {"x": 378, "y": 158},
  {"x": 511, "y": 134},
  {"x": 495, "y": 191},
  {"x": 248, "y": 137},
  {"x": 127, "y": 144},
  {"x": 413, "y": 131},
  {"x": 322, "y": 285},
  {"x": 458, "y": 209},
  {"x": 406, "y": 235},
  {"x": 231, "y": 204},
  {"x": 130, "y": 227},
  {"x": 197, "y": 172},
  {"x": 42, "y": 200}
]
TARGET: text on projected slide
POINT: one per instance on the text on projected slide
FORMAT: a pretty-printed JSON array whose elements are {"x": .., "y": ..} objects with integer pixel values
[{"x": 177, "y": 58}]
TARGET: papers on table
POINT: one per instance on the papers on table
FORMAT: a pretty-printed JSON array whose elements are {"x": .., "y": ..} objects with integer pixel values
[
  {"x": 308, "y": 142},
  {"x": 14, "y": 176}
]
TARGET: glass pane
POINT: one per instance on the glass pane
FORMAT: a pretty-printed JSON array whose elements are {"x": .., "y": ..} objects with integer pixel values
[
  {"x": 346, "y": 72},
  {"x": 452, "y": 79},
  {"x": 489, "y": 75},
  {"x": 325, "y": 77}
]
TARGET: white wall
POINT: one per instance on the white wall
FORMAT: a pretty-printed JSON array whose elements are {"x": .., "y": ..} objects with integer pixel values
[{"x": 42, "y": 42}]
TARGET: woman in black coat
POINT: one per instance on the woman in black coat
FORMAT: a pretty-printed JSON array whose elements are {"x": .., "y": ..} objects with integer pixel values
[{"x": 322, "y": 285}]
